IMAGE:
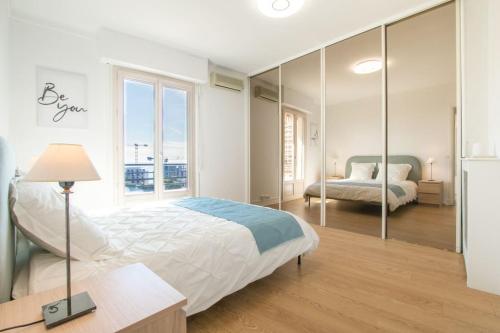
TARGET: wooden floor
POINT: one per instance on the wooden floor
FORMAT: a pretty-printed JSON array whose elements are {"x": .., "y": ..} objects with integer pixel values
[
  {"x": 420, "y": 224},
  {"x": 358, "y": 283}
]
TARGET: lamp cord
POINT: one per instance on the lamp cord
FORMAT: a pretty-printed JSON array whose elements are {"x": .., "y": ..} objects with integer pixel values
[{"x": 22, "y": 325}]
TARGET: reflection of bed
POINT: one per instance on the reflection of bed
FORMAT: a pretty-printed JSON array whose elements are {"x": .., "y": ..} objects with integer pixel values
[{"x": 370, "y": 191}]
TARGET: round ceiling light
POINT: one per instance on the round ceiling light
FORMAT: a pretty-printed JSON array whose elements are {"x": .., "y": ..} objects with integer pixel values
[
  {"x": 279, "y": 8},
  {"x": 368, "y": 66}
]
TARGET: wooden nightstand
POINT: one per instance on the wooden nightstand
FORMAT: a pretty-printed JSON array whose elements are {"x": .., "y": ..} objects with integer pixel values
[
  {"x": 430, "y": 192},
  {"x": 334, "y": 177},
  {"x": 129, "y": 299}
]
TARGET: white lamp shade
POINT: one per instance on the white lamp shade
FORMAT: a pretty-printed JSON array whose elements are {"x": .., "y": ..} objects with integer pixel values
[
  {"x": 430, "y": 160},
  {"x": 63, "y": 163}
]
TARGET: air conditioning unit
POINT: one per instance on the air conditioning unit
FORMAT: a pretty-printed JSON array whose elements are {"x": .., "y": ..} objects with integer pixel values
[
  {"x": 224, "y": 81},
  {"x": 265, "y": 93}
]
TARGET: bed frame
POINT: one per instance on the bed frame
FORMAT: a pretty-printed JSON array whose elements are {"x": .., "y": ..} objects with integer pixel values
[
  {"x": 14, "y": 248},
  {"x": 7, "y": 229},
  {"x": 415, "y": 173}
]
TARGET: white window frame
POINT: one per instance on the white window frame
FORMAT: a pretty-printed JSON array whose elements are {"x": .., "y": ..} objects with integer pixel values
[{"x": 159, "y": 82}]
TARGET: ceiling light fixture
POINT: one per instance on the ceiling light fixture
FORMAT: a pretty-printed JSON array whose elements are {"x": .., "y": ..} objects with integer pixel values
[
  {"x": 367, "y": 66},
  {"x": 279, "y": 8}
]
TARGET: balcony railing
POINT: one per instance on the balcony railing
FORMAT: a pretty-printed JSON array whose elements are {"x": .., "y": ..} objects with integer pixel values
[{"x": 140, "y": 177}]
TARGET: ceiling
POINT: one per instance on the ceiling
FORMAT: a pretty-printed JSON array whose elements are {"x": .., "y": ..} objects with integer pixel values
[
  {"x": 232, "y": 34},
  {"x": 420, "y": 50}
]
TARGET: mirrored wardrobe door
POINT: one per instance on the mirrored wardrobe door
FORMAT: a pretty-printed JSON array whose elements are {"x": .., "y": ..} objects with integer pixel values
[
  {"x": 300, "y": 136},
  {"x": 353, "y": 132},
  {"x": 421, "y": 122},
  {"x": 264, "y": 139}
]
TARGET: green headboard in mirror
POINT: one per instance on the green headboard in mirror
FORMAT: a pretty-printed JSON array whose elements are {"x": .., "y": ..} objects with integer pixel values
[{"x": 415, "y": 172}]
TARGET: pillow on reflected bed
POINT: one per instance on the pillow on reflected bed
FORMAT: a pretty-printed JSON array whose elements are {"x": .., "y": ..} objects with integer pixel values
[
  {"x": 395, "y": 172},
  {"x": 362, "y": 171},
  {"x": 38, "y": 211}
]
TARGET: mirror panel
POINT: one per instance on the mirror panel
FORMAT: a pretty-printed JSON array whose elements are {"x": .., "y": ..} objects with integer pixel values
[
  {"x": 421, "y": 123},
  {"x": 301, "y": 145},
  {"x": 264, "y": 139},
  {"x": 353, "y": 131}
]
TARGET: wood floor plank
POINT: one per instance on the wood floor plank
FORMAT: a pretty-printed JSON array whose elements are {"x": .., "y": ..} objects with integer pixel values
[{"x": 358, "y": 283}]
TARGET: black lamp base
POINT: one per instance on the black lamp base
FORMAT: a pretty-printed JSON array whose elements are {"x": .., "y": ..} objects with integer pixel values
[{"x": 57, "y": 313}]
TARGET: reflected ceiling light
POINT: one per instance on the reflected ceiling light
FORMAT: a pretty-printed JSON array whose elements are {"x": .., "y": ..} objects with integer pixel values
[
  {"x": 279, "y": 8},
  {"x": 368, "y": 66}
]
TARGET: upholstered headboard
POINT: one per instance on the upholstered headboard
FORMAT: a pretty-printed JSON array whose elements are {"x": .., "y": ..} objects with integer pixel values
[
  {"x": 7, "y": 230},
  {"x": 415, "y": 173}
]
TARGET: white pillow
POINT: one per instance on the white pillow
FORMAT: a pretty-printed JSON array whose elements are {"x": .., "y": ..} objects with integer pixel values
[
  {"x": 395, "y": 172},
  {"x": 362, "y": 171},
  {"x": 39, "y": 213}
]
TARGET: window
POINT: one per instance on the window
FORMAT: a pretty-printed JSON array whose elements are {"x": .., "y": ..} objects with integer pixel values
[
  {"x": 293, "y": 146},
  {"x": 288, "y": 147},
  {"x": 155, "y": 140}
]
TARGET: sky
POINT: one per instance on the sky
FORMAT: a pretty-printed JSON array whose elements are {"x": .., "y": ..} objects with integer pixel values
[{"x": 139, "y": 105}]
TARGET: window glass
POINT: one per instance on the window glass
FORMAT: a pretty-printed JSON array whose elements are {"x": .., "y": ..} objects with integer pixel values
[
  {"x": 139, "y": 132},
  {"x": 175, "y": 162}
]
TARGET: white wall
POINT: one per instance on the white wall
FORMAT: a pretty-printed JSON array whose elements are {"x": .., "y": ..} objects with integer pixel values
[
  {"x": 352, "y": 128},
  {"x": 419, "y": 124},
  {"x": 222, "y": 160},
  {"x": 222, "y": 127},
  {"x": 494, "y": 74},
  {"x": 32, "y": 46},
  {"x": 4, "y": 67},
  {"x": 122, "y": 49},
  {"x": 481, "y": 111},
  {"x": 481, "y": 72}
]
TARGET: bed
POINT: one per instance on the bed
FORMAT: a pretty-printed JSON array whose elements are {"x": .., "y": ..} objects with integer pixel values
[
  {"x": 370, "y": 191},
  {"x": 205, "y": 257}
]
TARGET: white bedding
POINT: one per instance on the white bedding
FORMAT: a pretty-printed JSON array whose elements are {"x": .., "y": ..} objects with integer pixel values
[
  {"x": 203, "y": 257},
  {"x": 366, "y": 193}
]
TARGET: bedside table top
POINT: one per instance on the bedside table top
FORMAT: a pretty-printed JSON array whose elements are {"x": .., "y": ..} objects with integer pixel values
[
  {"x": 126, "y": 298},
  {"x": 428, "y": 181}
]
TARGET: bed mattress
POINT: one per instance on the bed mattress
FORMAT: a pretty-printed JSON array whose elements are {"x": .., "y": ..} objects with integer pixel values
[
  {"x": 203, "y": 257},
  {"x": 344, "y": 190}
]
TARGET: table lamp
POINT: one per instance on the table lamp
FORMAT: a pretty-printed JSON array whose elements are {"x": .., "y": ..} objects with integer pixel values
[
  {"x": 430, "y": 161},
  {"x": 334, "y": 160},
  {"x": 65, "y": 163}
]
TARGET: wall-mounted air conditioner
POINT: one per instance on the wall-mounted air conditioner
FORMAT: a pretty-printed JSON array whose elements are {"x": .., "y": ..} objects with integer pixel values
[
  {"x": 224, "y": 81},
  {"x": 265, "y": 93}
]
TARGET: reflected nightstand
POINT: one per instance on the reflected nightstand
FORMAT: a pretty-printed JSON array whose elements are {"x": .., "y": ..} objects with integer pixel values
[{"x": 430, "y": 192}]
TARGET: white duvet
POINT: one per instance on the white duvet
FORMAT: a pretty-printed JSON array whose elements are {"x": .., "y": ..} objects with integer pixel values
[
  {"x": 203, "y": 257},
  {"x": 336, "y": 190}
]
